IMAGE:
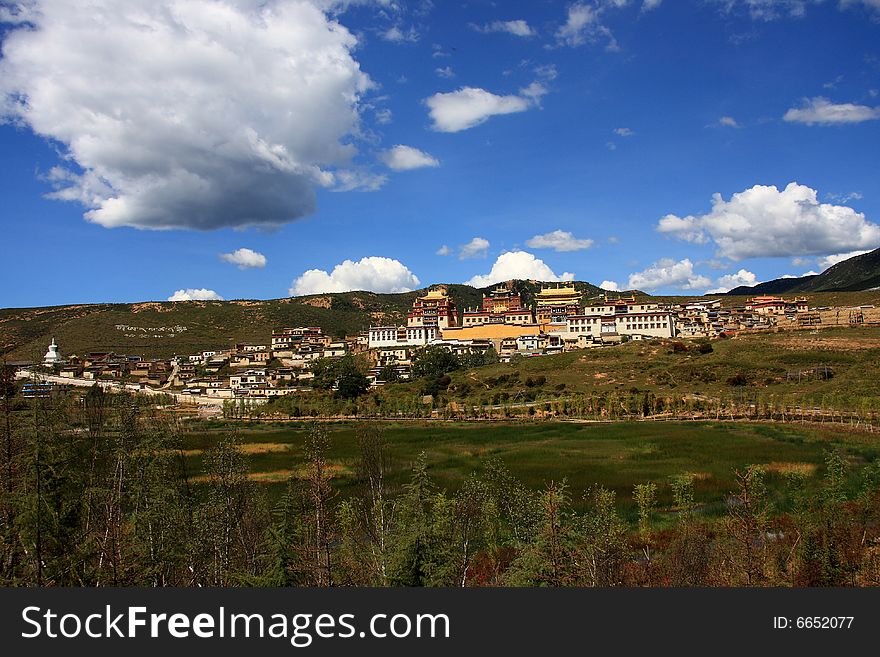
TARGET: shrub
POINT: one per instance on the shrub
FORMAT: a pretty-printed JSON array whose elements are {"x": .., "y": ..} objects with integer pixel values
[
  {"x": 738, "y": 380},
  {"x": 705, "y": 348}
]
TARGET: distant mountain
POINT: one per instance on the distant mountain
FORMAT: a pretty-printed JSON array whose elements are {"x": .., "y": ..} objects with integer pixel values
[
  {"x": 861, "y": 272},
  {"x": 776, "y": 286},
  {"x": 163, "y": 328}
]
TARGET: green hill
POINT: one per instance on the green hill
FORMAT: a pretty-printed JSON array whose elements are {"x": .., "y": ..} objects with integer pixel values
[
  {"x": 161, "y": 329},
  {"x": 858, "y": 273}
]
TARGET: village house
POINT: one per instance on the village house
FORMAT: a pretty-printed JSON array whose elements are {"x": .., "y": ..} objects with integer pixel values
[
  {"x": 613, "y": 319},
  {"x": 247, "y": 379},
  {"x": 770, "y": 305},
  {"x": 334, "y": 350},
  {"x": 287, "y": 338}
]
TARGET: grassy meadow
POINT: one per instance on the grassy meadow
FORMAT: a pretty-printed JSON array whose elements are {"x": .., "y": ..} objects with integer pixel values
[{"x": 616, "y": 456}]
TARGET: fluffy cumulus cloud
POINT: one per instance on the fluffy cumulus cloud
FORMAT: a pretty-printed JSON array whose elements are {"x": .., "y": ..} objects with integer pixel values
[
  {"x": 374, "y": 274},
  {"x": 728, "y": 122},
  {"x": 518, "y": 264},
  {"x": 406, "y": 158},
  {"x": 238, "y": 108},
  {"x": 764, "y": 222},
  {"x": 729, "y": 281},
  {"x": 821, "y": 111},
  {"x": 476, "y": 248},
  {"x": 518, "y": 28},
  {"x": 245, "y": 259},
  {"x": 559, "y": 240},
  {"x": 624, "y": 132},
  {"x": 195, "y": 294},
  {"x": 668, "y": 273},
  {"x": 470, "y": 106},
  {"x": 444, "y": 250},
  {"x": 611, "y": 286}
]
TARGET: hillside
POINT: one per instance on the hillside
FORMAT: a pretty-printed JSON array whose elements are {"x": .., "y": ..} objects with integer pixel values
[
  {"x": 776, "y": 286},
  {"x": 161, "y": 329},
  {"x": 764, "y": 367},
  {"x": 858, "y": 273}
]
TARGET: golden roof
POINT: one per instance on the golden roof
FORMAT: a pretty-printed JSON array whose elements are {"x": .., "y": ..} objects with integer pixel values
[
  {"x": 436, "y": 293},
  {"x": 564, "y": 289}
]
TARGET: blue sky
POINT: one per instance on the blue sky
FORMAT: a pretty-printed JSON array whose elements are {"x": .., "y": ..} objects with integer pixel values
[{"x": 142, "y": 140}]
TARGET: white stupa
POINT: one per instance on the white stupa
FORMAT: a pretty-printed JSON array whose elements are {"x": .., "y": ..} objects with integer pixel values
[{"x": 52, "y": 357}]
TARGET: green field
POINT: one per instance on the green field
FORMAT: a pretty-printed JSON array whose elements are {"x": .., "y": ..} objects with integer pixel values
[{"x": 615, "y": 455}]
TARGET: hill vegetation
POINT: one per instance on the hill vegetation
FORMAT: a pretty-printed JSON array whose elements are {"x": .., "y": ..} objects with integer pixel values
[
  {"x": 766, "y": 375},
  {"x": 858, "y": 273}
]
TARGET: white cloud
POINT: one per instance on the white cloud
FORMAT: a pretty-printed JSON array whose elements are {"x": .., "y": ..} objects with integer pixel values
[
  {"x": 624, "y": 132},
  {"x": 518, "y": 264},
  {"x": 768, "y": 10},
  {"x": 444, "y": 251},
  {"x": 728, "y": 282},
  {"x": 357, "y": 179},
  {"x": 245, "y": 259},
  {"x": 728, "y": 122},
  {"x": 547, "y": 72},
  {"x": 374, "y": 274},
  {"x": 445, "y": 72},
  {"x": 518, "y": 28},
  {"x": 470, "y": 106},
  {"x": 580, "y": 25},
  {"x": 611, "y": 286},
  {"x": 396, "y": 35},
  {"x": 383, "y": 116},
  {"x": 845, "y": 198},
  {"x": 187, "y": 113},
  {"x": 405, "y": 158},
  {"x": 648, "y": 5},
  {"x": 668, "y": 273},
  {"x": 195, "y": 294},
  {"x": 559, "y": 240},
  {"x": 476, "y": 248},
  {"x": 583, "y": 26},
  {"x": 765, "y": 222},
  {"x": 534, "y": 91},
  {"x": 821, "y": 111},
  {"x": 831, "y": 260}
]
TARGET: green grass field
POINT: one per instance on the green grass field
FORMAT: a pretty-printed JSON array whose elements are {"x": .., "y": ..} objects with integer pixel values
[{"x": 614, "y": 455}]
